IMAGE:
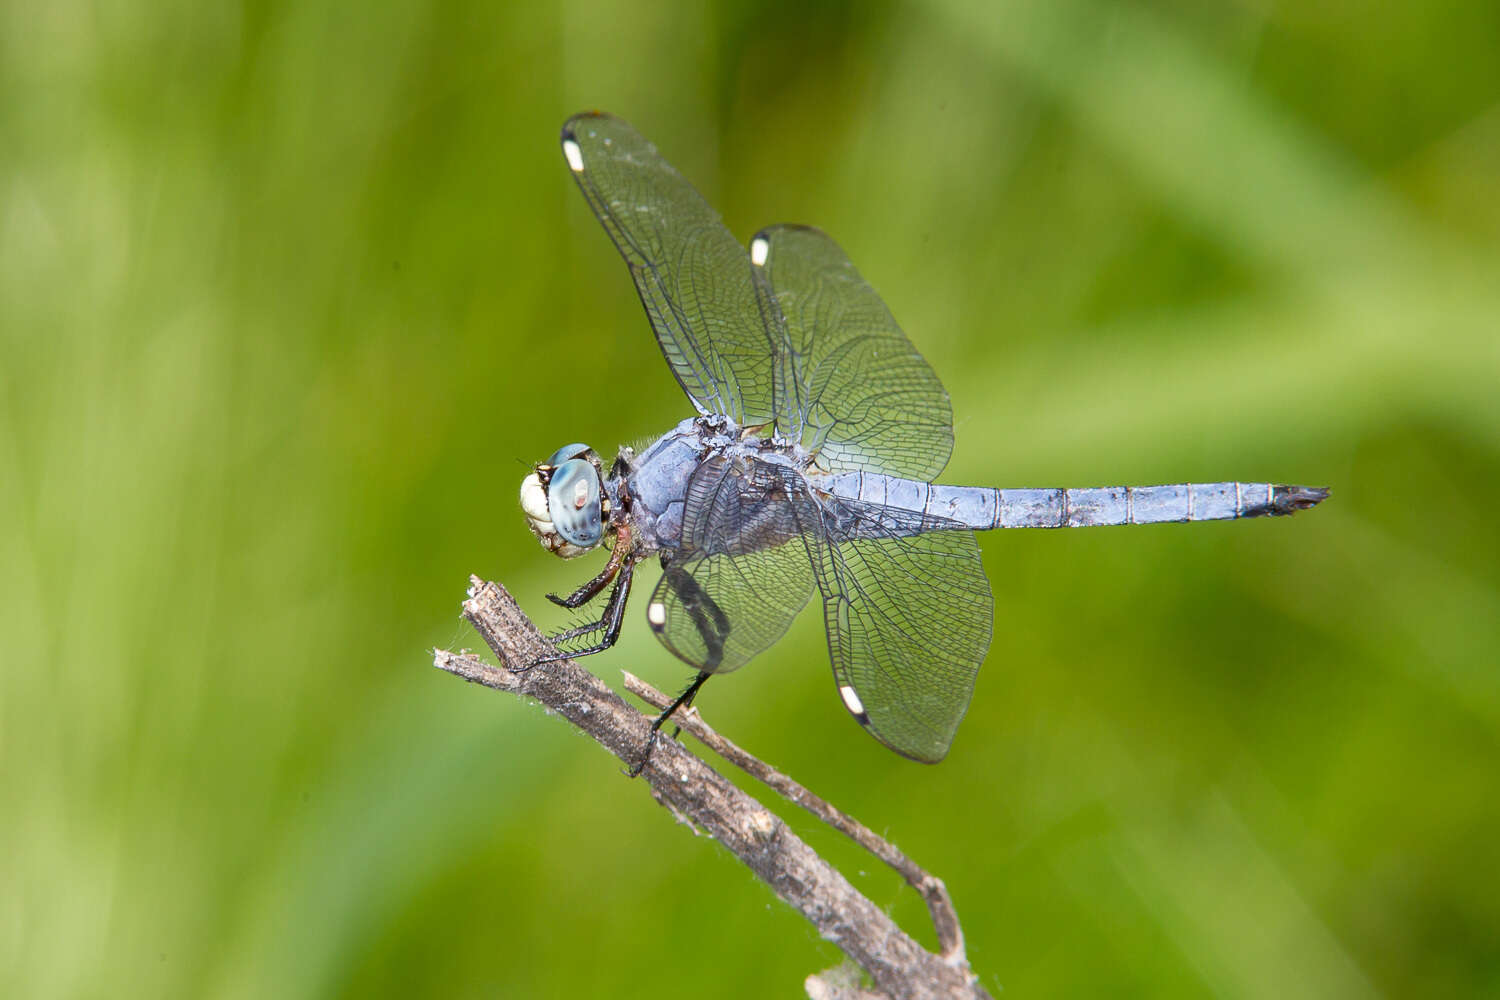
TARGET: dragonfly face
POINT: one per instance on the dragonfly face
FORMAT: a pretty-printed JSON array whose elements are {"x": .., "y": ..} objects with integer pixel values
[
  {"x": 808, "y": 475},
  {"x": 564, "y": 503}
]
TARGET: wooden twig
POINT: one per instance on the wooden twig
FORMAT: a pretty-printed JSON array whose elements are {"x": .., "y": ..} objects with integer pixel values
[
  {"x": 899, "y": 967},
  {"x": 930, "y": 887}
]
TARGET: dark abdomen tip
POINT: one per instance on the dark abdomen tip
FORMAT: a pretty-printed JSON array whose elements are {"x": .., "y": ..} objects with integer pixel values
[{"x": 1290, "y": 499}]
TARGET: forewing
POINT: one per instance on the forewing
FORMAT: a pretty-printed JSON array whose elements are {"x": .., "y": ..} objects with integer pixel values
[
  {"x": 909, "y": 615},
  {"x": 742, "y": 572},
  {"x": 693, "y": 277},
  {"x": 854, "y": 389}
]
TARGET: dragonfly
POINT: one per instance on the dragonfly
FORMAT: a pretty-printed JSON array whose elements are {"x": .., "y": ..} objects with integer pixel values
[{"x": 807, "y": 471}]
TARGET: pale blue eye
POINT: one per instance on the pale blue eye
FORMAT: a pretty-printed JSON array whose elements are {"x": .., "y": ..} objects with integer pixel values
[
  {"x": 573, "y": 503},
  {"x": 566, "y": 452}
]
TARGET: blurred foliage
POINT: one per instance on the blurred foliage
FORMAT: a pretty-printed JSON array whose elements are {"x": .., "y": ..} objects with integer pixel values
[{"x": 291, "y": 293}]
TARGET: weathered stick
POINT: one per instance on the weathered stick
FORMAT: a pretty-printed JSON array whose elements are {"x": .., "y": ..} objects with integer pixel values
[
  {"x": 900, "y": 968},
  {"x": 930, "y": 887}
]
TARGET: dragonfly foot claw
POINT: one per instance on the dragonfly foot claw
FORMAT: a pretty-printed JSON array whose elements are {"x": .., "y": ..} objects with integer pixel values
[{"x": 634, "y": 771}]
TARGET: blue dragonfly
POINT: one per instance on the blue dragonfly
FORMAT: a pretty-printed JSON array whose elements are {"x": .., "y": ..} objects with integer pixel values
[{"x": 807, "y": 470}]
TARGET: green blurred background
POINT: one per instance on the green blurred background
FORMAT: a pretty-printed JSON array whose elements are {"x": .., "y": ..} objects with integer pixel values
[{"x": 291, "y": 293}]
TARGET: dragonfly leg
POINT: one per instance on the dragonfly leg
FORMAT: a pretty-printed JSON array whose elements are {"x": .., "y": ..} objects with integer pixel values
[
  {"x": 590, "y": 590},
  {"x": 713, "y": 627},
  {"x": 708, "y": 618},
  {"x": 611, "y": 621},
  {"x": 684, "y": 700}
]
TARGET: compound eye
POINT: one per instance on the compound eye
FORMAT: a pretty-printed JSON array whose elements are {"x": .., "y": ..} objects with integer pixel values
[
  {"x": 573, "y": 503},
  {"x": 566, "y": 452}
]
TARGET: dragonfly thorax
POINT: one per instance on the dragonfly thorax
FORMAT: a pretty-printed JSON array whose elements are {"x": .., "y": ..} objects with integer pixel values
[{"x": 563, "y": 501}]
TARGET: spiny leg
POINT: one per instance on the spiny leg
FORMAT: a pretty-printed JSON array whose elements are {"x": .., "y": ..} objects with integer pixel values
[
  {"x": 684, "y": 700},
  {"x": 590, "y": 590},
  {"x": 712, "y": 625},
  {"x": 708, "y": 618},
  {"x": 587, "y": 592},
  {"x": 611, "y": 621}
]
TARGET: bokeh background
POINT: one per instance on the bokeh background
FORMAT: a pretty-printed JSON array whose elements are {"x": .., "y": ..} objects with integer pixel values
[{"x": 292, "y": 293}]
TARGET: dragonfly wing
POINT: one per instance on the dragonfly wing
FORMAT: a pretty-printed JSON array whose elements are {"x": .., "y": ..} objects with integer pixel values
[
  {"x": 741, "y": 573},
  {"x": 853, "y": 389},
  {"x": 909, "y": 614},
  {"x": 693, "y": 277}
]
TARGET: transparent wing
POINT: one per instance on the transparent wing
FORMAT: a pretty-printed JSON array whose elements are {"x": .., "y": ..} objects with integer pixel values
[
  {"x": 693, "y": 277},
  {"x": 909, "y": 615},
  {"x": 742, "y": 572},
  {"x": 853, "y": 389},
  {"x": 906, "y": 603}
]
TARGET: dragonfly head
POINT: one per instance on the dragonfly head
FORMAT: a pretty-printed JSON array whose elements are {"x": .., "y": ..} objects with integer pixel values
[{"x": 563, "y": 501}]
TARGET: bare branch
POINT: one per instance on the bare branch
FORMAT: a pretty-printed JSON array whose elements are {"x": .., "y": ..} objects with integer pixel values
[
  {"x": 899, "y": 967},
  {"x": 933, "y": 891},
  {"x": 841, "y": 983}
]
